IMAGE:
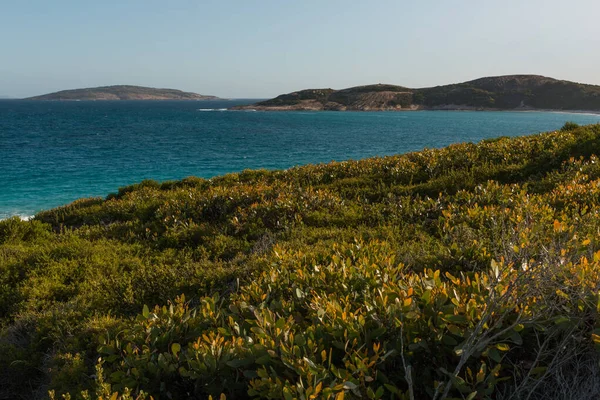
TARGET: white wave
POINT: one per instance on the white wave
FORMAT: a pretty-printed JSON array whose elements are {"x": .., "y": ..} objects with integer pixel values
[
  {"x": 23, "y": 217},
  {"x": 212, "y": 109}
]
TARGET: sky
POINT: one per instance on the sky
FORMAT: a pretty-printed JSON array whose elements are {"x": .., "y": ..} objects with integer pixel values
[{"x": 262, "y": 48}]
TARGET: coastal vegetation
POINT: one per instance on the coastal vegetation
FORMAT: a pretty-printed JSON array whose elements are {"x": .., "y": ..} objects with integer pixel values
[
  {"x": 471, "y": 271},
  {"x": 512, "y": 92},
  {"x": 123, "y": 92}
]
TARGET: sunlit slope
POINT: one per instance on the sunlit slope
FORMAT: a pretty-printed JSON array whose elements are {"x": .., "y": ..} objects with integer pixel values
[{"x": 471, "y": 271}]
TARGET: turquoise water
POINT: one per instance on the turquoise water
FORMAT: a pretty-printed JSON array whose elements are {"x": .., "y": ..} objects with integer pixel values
[{"x": 52, "y": 153}]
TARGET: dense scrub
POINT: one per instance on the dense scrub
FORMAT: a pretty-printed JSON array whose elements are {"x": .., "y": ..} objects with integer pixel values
[
  {"x": 467, "y": 272},
  {"x": 498, "y": 92}
]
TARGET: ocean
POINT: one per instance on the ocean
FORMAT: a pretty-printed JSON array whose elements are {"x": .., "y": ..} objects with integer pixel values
[{"x": 52, "y": 153}]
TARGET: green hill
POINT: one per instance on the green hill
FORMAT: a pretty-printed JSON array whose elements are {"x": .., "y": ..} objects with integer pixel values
[
  {"x": 514, "y": 92},
  {"x": 122, "y": 92},
  {"x": 465, "y": 272}
]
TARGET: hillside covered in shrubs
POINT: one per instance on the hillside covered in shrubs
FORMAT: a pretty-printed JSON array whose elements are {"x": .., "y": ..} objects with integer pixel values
[
  {"x": 468, "y": 272},
  {"x": 510, "y": 92}
]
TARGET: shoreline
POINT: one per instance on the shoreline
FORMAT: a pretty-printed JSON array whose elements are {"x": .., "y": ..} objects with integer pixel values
[{"x": 416, "y": 109}]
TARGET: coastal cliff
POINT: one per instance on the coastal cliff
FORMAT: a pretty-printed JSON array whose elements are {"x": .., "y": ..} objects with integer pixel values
[
  {"x": 123, "y": 92},
  {"x": 512, "y": 92}
]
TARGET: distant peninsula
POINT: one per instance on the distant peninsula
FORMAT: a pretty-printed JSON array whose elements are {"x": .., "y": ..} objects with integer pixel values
[
  {"x": 122, "y": 92},
  {"x": 511, "y": 92}
]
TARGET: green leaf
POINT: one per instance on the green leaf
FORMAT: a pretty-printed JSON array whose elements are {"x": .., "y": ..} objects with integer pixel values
[
  {"x": 494, "y": 355},
  {"x": 280, "y": 323},
  {"x": 516, "y": 338},
  {"x": 238, "y": 363},
  {"x": 449, "y": 340},
  {"x": 287, "y": 395},
  {"x": 175, "y": 349},
  {"x": 392, "y": 388},
  {"x": 145, "y": 311},
  {"x": 471, "y": 396},
  {"x": 263, "y": 360},
  {"x": 457, "y": 319},
  {"x": 426, "y": 297}
]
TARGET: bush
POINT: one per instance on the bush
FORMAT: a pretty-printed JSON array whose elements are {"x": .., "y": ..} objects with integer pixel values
[
  {"x": 569, "y": 126},
  {"x": 470, "y": 271}
]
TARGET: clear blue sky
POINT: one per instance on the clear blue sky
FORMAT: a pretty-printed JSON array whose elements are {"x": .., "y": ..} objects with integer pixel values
[{"x": 242, "y": 48}]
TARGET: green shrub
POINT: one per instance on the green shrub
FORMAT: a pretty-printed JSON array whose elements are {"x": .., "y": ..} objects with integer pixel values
[{"x": 470, "y": 271}]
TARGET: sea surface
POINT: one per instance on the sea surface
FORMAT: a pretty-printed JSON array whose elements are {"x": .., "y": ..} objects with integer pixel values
[{"x": 52, "y": 153}]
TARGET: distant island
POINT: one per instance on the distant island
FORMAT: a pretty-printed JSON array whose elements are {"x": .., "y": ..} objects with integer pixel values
[
  {"x": 123, "y": 92},
  {"x": 511, "y": 92}
]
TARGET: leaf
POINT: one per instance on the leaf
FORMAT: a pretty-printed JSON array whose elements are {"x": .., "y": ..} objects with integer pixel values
[
  {"x": 263, "y": 360},
  {"x": 280, "y": 323},
  {"x": 481, "y": 374},
  {"x": 175, "y": 349},
  {"x": 426, "y": 297},
  {"x": 562, "y": 294},
  {"x": 494, "y": 355},
  {"x": 557, "y": 226},
  {"x": 238, "y": 363},
  {"x": 457, "y": 319},
  {"x": 455, "y": 330},
  {"x": 392, "y": 388},
  {"x": 349, "y": 385},
  {"x": 538, "y": 370},
  {"x": 318, "y": 388},
  {"x": 516, "y": 338},
  {"x": 471, "y": 396},
  {"x": 495, "y": 269},
  {"x": 340, "y": 396},
  {"x": 449, "y": 340},
  {"x": 145, "y": 311},
  {"x": 503, "y": 347}
]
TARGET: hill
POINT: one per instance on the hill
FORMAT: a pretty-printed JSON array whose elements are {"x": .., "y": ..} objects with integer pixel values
[
  {"x": 514, "y": 92},
  {"x": 122, "y": 92},
  {"x": 470, "y": 271}
]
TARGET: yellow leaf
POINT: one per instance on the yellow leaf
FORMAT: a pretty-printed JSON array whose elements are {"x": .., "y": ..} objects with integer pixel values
[
  {"x": 503, "y": 347},
  {"x": 340, "y": 396},
  {"x": 586, "y": 242},
  {"x": 481, "y": 374},
  {"x": 557, "y": 226},
  {"x": 318, "y": 388}
]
